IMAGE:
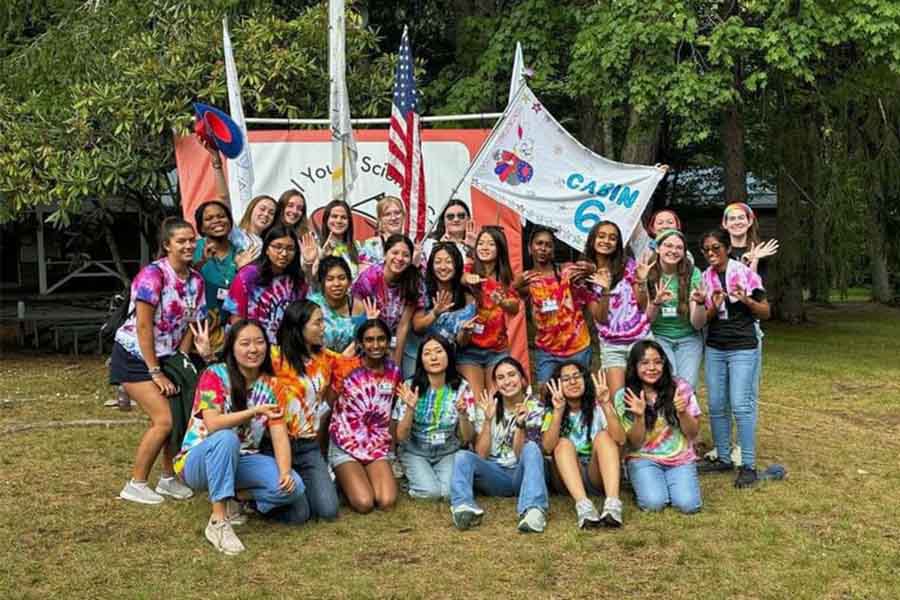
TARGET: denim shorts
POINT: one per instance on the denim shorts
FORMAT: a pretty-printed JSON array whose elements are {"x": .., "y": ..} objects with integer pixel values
[
  {"x": 547, "y": 363},
  {"x": 125, "y": 367},
  {"x": 484, "y": 358},
  {"x": 338, "y": 456},
  {"x": 589, "y": 488},
  {"x": 616, "y": 355}
]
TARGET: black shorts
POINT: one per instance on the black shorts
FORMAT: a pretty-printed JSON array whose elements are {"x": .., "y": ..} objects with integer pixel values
[{"x": 125, "y": 367}]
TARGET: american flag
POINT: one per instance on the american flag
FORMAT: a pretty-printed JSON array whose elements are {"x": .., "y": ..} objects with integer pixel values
[{"x": 405, "y": 144}]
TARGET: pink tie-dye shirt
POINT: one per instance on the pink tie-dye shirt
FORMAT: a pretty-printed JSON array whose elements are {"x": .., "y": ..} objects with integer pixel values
[
  {"x": 626, "y": 322},
  {"x": 249, "y": 300}
]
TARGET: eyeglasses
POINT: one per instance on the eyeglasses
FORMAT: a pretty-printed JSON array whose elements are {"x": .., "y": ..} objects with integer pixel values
[
  {"x": 571, "y": 378},
  {"x": 278, "y": 249},
  {"x": 461, "y": 216},
  {"x": 713, "y": 248}
]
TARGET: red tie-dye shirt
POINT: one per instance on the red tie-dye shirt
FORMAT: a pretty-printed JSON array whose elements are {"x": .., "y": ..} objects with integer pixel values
[{"x": 557, "y": 311}]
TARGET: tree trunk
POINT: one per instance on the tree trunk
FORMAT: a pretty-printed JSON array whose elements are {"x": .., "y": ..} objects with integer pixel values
[
  {"x": 820, "y": 280},
  {"x": 881, "y": 283},
  {"x": 733, "y": 158},
  {"x": 642, "y": 138},
  {"x": 116, "y": 255}
]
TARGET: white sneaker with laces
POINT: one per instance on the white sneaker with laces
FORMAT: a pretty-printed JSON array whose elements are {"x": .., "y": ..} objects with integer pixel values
[
  {"x": 139, "y": 492},
  {"x": 170, "y": 486},
  {"x": 533, "y": 521},
  {"x": 222, "y": 537}
]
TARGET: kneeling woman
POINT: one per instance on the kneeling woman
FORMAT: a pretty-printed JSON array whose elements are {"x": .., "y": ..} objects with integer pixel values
[
  {"x": 585, "y": 456},
  {"x": 434, "y": 418},
  {"x": 360, "y": 448},
  {"x": 234, "y": 404},
  {"x": 658, "y": 415},
  {"x": 507, "y": 460}
]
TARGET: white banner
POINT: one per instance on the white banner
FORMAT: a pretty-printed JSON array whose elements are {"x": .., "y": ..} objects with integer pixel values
[
  {"x": 532, "y": 165},
  {"x": 240, "y": 171},
  {"x": 344, "y": 152}
]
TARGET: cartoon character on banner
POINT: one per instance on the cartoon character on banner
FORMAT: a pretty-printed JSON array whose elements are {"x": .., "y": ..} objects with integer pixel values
[{"x": 511, "y": 167}]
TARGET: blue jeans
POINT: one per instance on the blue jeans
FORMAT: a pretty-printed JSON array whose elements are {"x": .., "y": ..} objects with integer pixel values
[
  {"x": 547, "y": 363},
  {"x": 684, "y": 355},
  {"x": 307, "y": 460},
  {"x": 525, "y": 479},
  {"x": 657, "y": 485},
  {"x": 410, "y": 352},
  {"x": 216, "y": 464},
  {"x": 732, "y": 379},
  {"x": 428, "y": 469}
]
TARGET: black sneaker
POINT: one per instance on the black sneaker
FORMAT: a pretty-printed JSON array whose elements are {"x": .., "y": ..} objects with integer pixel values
[
  {"x": 714, "y": 466},
  {"x": 746, "y": 478}
]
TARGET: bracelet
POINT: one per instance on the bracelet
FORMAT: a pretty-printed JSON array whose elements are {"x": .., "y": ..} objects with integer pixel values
[
  {"x": 154, "y": 371},
  {"x": 520, "y": 425},
  {"x": 217, "y": 164}
]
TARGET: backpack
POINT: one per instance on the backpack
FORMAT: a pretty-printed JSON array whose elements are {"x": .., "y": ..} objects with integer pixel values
[{"x": 118, "y": 312}]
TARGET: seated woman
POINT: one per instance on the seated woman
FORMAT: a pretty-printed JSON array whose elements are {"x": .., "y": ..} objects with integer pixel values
[
  {"x": 658, "y": 416},
  {"x": 234, "y": 404},
  {"x": 360, "y": 449},
  {"x": 303, "y": 370},
  {"x": 507, "y": 460},
  {"x": 434, "y": 418},
  {"x": 585, "y": 456}
]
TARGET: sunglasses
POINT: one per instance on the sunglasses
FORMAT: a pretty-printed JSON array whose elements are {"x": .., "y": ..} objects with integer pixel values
[
  {"x": 456, "y": 216},
  {"x": 713, "y": 248}
]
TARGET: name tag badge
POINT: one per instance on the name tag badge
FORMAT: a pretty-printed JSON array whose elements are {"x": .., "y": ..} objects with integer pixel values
[
  {"x": 669, "y": 311},
  {"x": 437, "y": 438},
  {"x": 393, "y": 341},
  {"x": 221, "y": 293},
  {"x": 478, "y": 328},
  {"x": 549, "y": 305},
  {"x": 386, "y": 387},
  {"x": 723, "y": 312}
]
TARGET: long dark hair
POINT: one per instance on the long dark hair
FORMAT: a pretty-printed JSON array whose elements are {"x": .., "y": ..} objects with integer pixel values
[
  {"x": 408, "y": 281},
  {"x": 501, "y": 263},
  {"x": 588, "y": 398},
  {"x": 325, "y": 231},
  {"x": 302, "y": 226},
  {"x": 616, "y": 261},
  {"x": 665, "y": 386},
  {"x": 508, "y": 360},
  {"x": 235, "y": 377},
  {"x": 328, "y": 263},
  {"x": 198, "y": 215},
  {"x": 265, "y": 266},
  {"x": 456, "y": 287},
  {"x": 167, "y": 230},
  {"x": 440, "y": 227},
  {"x": 451, "y": 376},
  {"x": 721, "y": 236},
  {"x": 683, "y": 270},
  {"x": 294, "y": 348},
  {"x": 367, "y": 325}
]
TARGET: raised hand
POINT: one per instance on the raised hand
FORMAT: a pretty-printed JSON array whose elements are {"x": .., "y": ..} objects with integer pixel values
[
  {"x": 471, "y": 279},
  {"x": 309, "y": 250},
  {"x": 461, "y": 407},
  {"x": 443, "y": 302},
  {"x": 718, "y": 297},
  {"x": 556, "y": 396},
  {"x": 471, "y": 234},
  {"x": 488, "y": 403},
  {"x": 371, "y": 308},
  {"x": 498, "y": 296},
  {"x": 663, "y": 294},
  {"x": 740, "y": 293},
  {"x": 698, "y": 294},
  {"x": 601, "y": 387},
  {"x": 644, "y": 264},
  {"x": 329, "y": 244},
  {"x": 764, "y": 250},
  {"x": 200, "y": 329},
  {"x": 209, "y": 249},
  {"x": 250, "y": 253},
  {"x": 521, "y": 414},
  {"x": 409, "y": 396},
  {"x": 680, "y": 402},
  {"x": 601, "y": 278},
  {"x": 635, "y": 403}
]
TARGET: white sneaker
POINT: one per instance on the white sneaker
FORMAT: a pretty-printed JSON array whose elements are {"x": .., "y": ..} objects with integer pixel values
[
  {"x": 713, "y": 455},
  {"x": 533, "y": 521},
  {"x": 222, "y": 537},
  {"x": 170, "y": 486},
  {"x": 233, "y": 512},
  {"x": 140, "y": 493}
]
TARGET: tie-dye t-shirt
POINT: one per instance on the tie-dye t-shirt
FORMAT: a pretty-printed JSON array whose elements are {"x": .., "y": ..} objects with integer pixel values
[
  {"x": 556, "y": 309},
  {"x": 626, "y": 322},
  {"x": 249, "y": 300},
  {"x": 345, "y": 251},
  {"x": 491, "y": 327},
  {"x": 581, "y": 436},
  {"x": 663, "y": 444},
  {"x": 371, "y": 284},
  {"x": 503, "y": 433},
  {"x": 302, "y": 397},
  {"x": 178, "y": 302},
  {"x": 449, "y": 323},
  {"x": 339, "y": 329},
  {"x": 361, "y": 416},
  {"x": 371, "y": 252},
  {"x": 214, "y": 391},
  {"x": 436, "y": 417}
]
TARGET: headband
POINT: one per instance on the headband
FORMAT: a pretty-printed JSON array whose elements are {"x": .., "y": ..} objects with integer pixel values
[
  {"x": 739, "y": 206},
  {"x": 665, "y": 233}
]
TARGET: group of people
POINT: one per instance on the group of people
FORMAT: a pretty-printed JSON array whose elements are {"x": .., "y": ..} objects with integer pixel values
[{"x": 315, "y": 364}]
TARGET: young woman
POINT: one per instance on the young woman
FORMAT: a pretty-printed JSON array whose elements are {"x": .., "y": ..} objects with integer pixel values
[
  {"x": 234, "y": 404},
  {"x": 677, "y": 310},
  {"x": 263, "y": 289},
  {"x": 585, "y": 456},
  {"x": 658, "y": 416},
  {"x": 166, "y": 297},
  {"x": 336, "y": 234},
  {"x": 507, "y": 460},
  {"x": 342, "y": 312},
  {"x": 303, "y": 369},
  {"x": 258, "y": 217},
  {"x": 665, "y": 218},
  {"x": 433, "y": 419},
  {"x": 390, "y": 219},
  {"x": 620, "y": 299},
  {"x": 292, "y": 213},
  {"x": 360, "y": 433},
  {"x": 735, "y": 300},
  {"x": 397, "y": 290},
  {"x": 557, "y": 308},
  {"x": 455, "y": 225},
  {"x": 217, "y": 259},
  {"x": 743, "y": 230},
  {"x": 491, "y": 278},
  {"x": 448, "y": 303}
]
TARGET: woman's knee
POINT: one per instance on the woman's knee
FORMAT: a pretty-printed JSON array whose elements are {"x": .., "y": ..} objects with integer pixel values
[
  {"x": 362, "y": 503},
  {"x": 225, "y": 439},
  {"x": 651, "y": 501},
  {"x": 687, "y": 505}
]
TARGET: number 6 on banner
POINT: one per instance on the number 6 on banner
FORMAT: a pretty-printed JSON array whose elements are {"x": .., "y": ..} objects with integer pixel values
[{"x": 584, "y": 220}]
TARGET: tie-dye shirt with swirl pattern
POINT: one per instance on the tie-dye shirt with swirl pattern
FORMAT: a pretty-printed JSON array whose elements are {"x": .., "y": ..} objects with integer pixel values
[
  {"x": 626, "y": 323},
  {"x": 556, "y": 308},
  {"x": 301, "y": 397},
  {"x": 249, "y": 300}
]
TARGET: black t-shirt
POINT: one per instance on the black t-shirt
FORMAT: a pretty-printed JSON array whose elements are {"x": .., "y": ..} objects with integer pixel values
[{"x": 737, "y": 331}]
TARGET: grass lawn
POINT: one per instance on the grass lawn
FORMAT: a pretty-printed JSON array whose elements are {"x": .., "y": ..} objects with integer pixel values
[{"x": 829, "y": 411}]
